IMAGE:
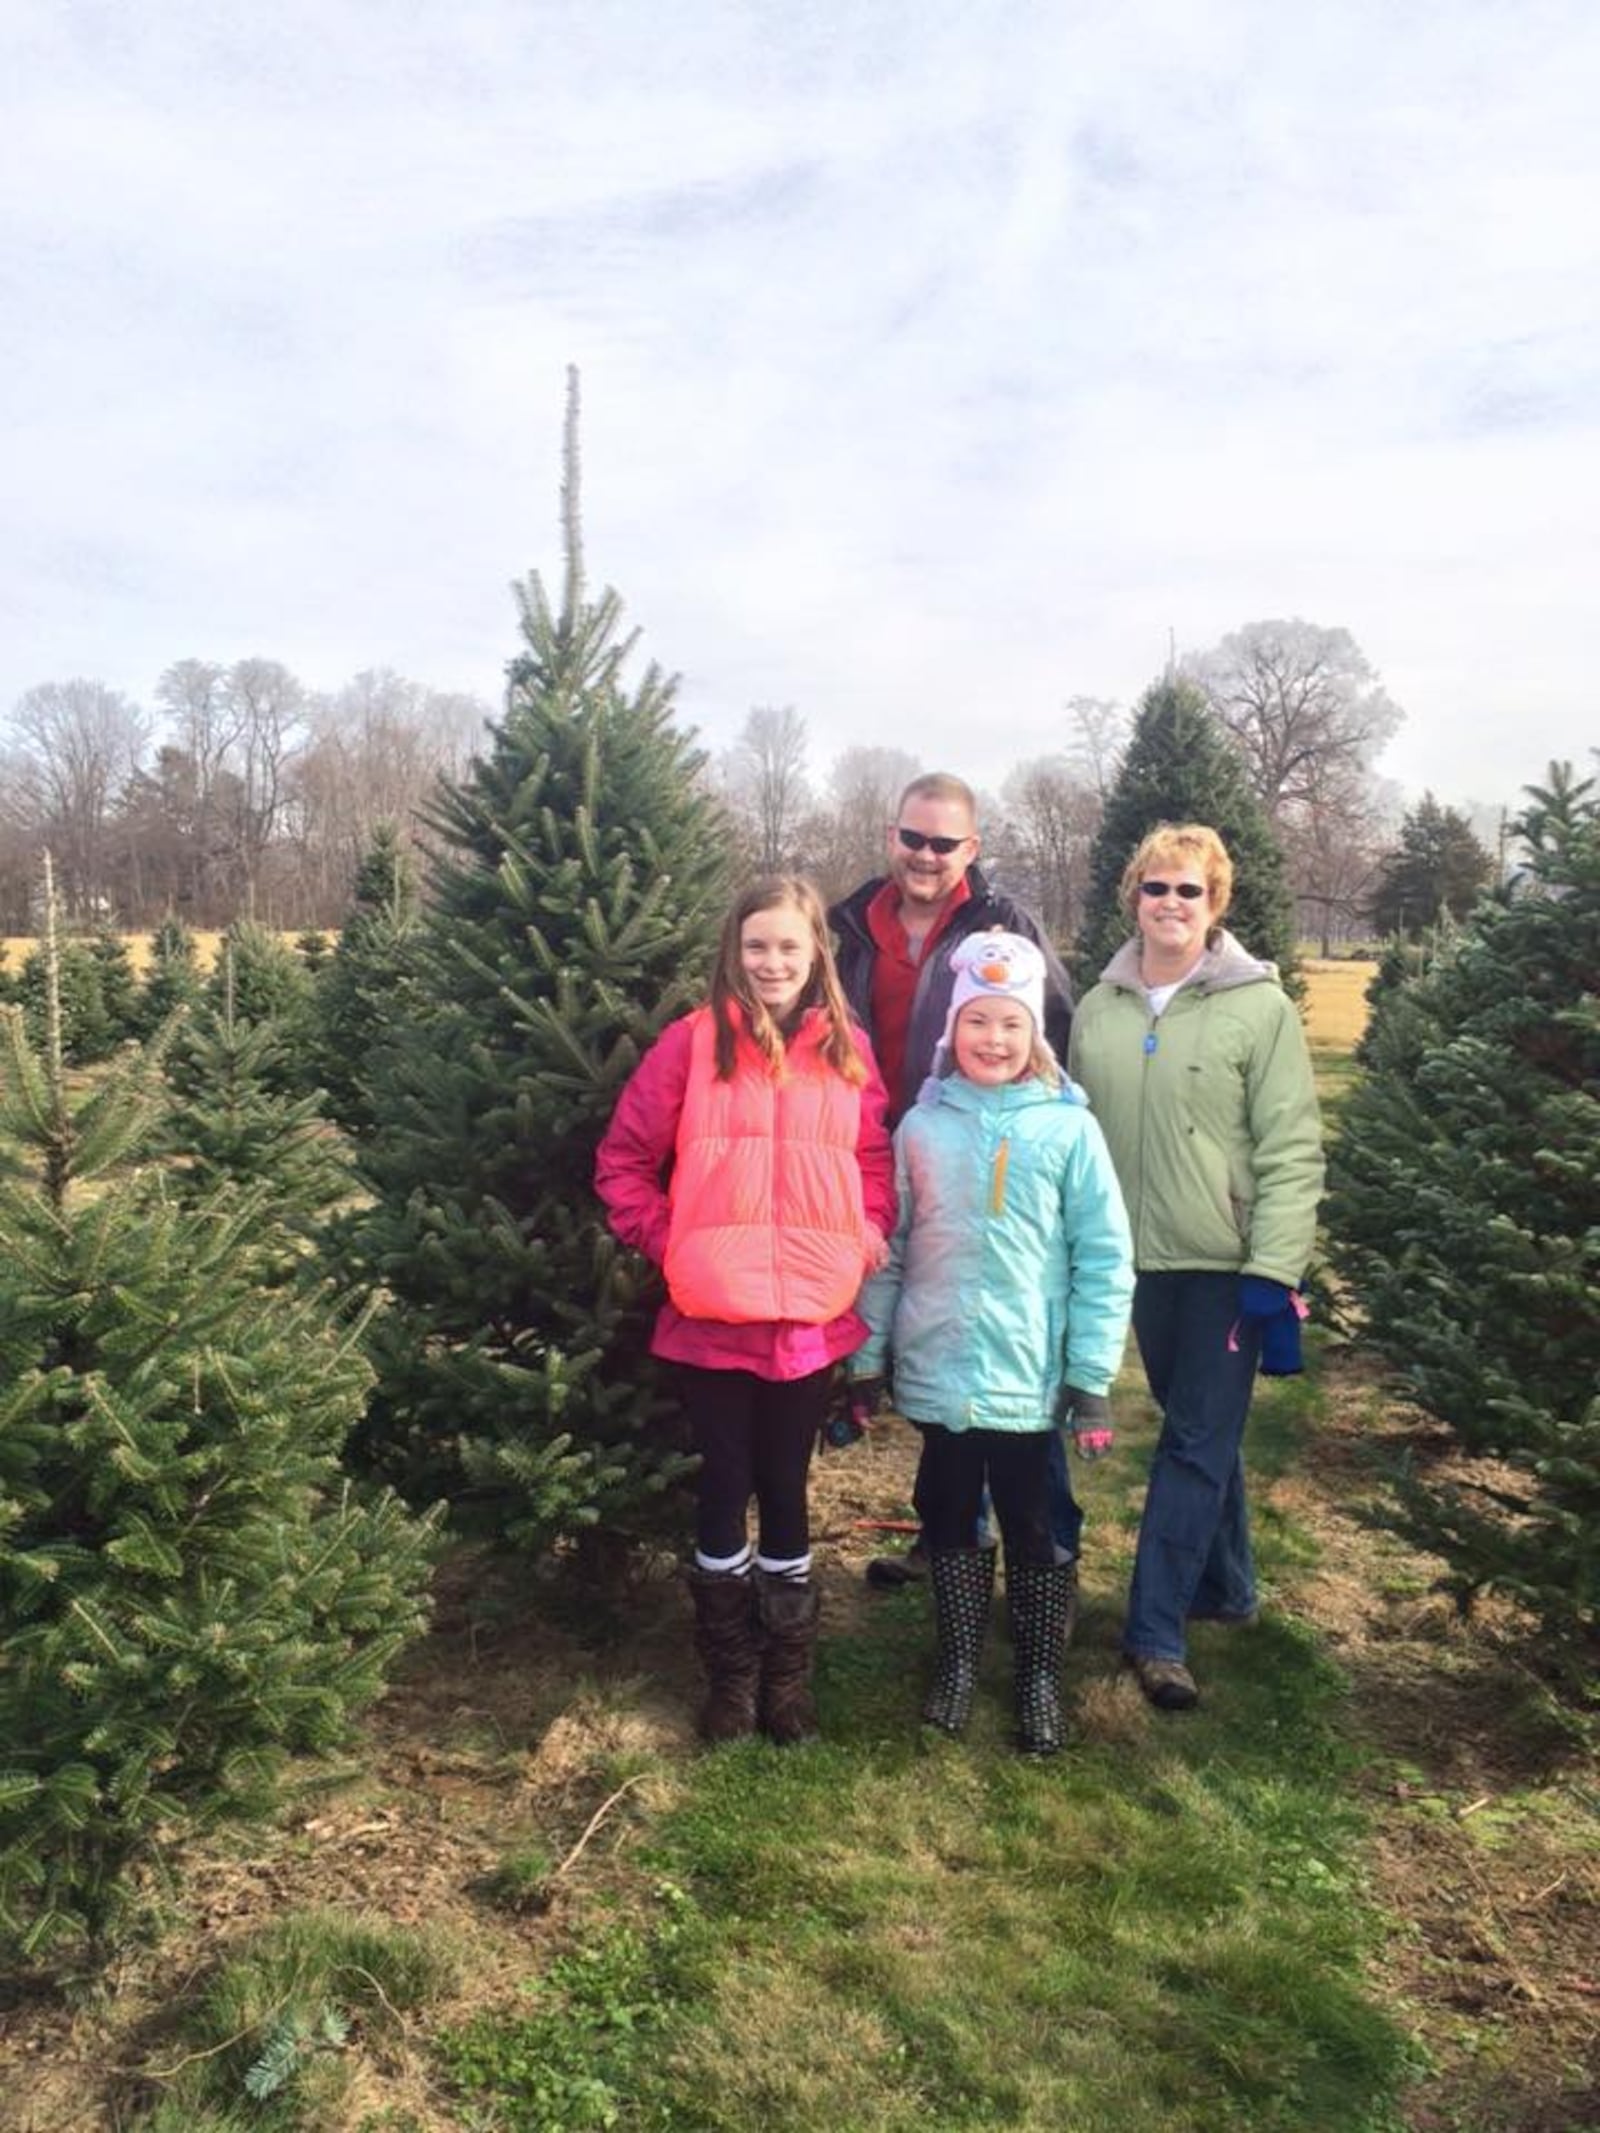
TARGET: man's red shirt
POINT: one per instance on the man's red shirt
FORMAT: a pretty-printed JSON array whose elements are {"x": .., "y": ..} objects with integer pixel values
[{"x": 894, "y": 979}]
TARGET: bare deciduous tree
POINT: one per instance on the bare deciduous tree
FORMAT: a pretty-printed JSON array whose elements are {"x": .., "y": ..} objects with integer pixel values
[
  {"x": 1097, "y": 735},
  {"x": 79, "y": 743},
  {"x": 843, "y": 840},
  {"x": 1051, "y": 816},
  {"x": 764, "y": 783},
  {"x": 1304, "y": 705}
]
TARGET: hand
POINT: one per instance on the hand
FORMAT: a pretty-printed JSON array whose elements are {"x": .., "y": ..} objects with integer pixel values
[
  {"x": 865, "y": 1397},
  {"x": 852, "y": 1407},
  {"x": 1278, "y": 1310},
  {"x": 1088, "y": 1416},
  {"x": 874, "y": 1247}
]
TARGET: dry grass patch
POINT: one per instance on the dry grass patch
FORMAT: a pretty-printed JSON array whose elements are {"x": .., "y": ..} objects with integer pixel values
[{"x": 1336, "y": 1001}]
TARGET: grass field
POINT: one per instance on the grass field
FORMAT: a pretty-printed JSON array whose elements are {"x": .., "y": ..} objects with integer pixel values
[
  {"x": 15, "y": 948},
  {"x": 1336, "y": 1001},
  {"x": 1336, "y": 1012}
]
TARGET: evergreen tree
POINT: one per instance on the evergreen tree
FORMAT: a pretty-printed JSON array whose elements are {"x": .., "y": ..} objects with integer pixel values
[
  {"x": 1437, "y": 871},
  {"x": 188, "y": 1587},
  {"x": 574, "y": 911},
  {"x": 311, "y": 947},
  {"x": 172, "y": 979},
  {"x": 266, "y": 982},
  {"x": 1401, "y": 963},
  {"x": 1180, "y": 767},
  {"x": 86, "y": 1031},
  {"x": 119, "y": 987},
  {"x": 1465, "y": 1218},
  {"x": 232, "y": 1127},
  {"x": 370, "y": 988}
]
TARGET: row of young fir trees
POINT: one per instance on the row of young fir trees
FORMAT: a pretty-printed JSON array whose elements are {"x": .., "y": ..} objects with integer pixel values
[{"x": 229, "y": 1323}]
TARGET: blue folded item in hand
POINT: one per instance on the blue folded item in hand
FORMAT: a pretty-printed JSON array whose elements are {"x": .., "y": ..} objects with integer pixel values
[{"x": 1278, "y": 1310}]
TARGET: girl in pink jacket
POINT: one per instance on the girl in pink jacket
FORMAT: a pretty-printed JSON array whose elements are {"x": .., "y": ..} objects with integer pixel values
[{"x": 748, "y": 1157}]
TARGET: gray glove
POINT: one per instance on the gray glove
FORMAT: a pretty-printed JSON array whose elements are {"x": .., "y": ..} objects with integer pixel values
[{"x": 1088, "y": 1416}]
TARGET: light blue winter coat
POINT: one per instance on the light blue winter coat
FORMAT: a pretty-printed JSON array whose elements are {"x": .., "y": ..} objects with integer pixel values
[{"x": 1010, "y": 1271}]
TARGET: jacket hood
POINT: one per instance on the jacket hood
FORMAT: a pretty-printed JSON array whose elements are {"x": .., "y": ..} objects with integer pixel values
[
  {"x": 964, "y": 1095},
  {"x": 1225, "y": 964}
]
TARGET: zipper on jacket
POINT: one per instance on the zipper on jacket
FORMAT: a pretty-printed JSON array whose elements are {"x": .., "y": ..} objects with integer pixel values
[
  {"x": 1147, "y": 1053},
  {"x": 997, "y": 1179}
]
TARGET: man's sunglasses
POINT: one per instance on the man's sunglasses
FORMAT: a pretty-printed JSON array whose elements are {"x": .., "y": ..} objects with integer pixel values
[
  {"x": 914, "y": 840},
  {"x": 1190, "y": 891}
]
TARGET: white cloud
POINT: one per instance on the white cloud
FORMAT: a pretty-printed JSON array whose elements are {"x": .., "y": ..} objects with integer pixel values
[{"x": 937, "y": 360}]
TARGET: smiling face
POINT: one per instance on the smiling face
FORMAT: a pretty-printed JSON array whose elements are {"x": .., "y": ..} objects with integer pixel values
[
  {"x": 926, "y": 878},
  {"x": 1173, "y": 925},
  {"x": 777, "y": 955},
  {"x": 993, "y": 1041}
]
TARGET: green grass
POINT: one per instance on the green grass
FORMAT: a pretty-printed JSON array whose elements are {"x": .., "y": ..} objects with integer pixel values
[
  {"x": 1165, "y": 1929},
  {"x": 270, "y": 2040}
]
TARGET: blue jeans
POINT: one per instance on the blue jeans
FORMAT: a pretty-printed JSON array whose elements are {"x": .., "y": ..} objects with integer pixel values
[{"x": 1194, "y": 1555}]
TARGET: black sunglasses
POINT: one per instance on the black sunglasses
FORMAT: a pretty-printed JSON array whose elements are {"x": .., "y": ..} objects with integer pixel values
[
  {"x": 914, "y": 840},
  {"x": 1190, "y": 891}
]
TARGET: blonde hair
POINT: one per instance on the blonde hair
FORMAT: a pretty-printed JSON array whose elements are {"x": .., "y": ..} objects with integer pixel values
[
  {"x": 1192, "y": 843},
  {"x": 823, "y": 990}
]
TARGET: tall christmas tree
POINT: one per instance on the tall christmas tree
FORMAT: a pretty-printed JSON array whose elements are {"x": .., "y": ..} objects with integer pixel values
[
  {"x": 572, "y": 914},
  {"x": 1465, "y": 1217},
  {"x": 1180, "y": 768},
  {"x": 188, "y": 1585}
]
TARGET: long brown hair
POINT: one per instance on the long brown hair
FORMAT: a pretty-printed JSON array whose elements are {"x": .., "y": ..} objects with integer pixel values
[{"x": 823, "y": 990}]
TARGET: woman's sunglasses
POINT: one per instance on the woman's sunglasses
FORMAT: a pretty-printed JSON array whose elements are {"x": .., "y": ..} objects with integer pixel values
[
  {"x": 914, "y": 840},
  {"x": 1190, "y": 891}
]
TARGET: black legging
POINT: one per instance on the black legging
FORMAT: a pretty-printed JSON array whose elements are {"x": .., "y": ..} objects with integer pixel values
[
  {"x": 754, "y": 1438},
  {"x": 1015, "y": 1463}
]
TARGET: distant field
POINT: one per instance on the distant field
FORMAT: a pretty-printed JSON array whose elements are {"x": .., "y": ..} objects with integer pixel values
[
  {"x": 1336, "y": 1005},
  {"x": 1336, "y": 1008},
  {"x": 19, "y": 946}
]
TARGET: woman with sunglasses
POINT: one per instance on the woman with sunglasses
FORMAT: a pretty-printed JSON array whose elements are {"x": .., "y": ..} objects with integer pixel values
[{"x": 1196, "y": 1065}]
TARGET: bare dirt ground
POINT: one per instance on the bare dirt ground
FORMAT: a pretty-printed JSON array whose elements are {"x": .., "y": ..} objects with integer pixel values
[{"x": 506, "y": 1733}]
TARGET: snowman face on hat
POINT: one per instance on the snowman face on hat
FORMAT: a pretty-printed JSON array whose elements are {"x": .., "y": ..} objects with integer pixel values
[{"x": 996, "y": 1007}]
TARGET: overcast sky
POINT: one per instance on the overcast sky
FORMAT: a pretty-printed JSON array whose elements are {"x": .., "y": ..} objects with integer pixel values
[{"x": 938, "y": 360}]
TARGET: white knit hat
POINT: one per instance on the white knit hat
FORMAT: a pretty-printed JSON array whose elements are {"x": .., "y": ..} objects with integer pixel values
[{"x": 993, "y": 966}]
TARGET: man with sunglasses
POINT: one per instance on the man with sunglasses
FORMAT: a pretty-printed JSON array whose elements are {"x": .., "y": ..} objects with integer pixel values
[{"x": 894, "y": 935}]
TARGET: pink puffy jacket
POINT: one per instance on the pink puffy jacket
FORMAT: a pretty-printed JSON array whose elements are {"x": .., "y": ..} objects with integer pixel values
[{"x": 761, "y": 1227}]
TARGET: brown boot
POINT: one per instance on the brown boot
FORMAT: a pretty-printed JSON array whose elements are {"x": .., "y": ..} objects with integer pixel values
[
  {"x": 725, "y": 1639},
  {"x": 788, "y": 1610}
]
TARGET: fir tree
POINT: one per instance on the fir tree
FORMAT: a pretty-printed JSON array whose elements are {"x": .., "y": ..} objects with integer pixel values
[
  {"x": 231, "y": 1126},
  {"x": 311, "y": 946},
  {"x": 370, "y": 988},
  {"x": 172, "y": 979},
  {"x": 267, "y": 983},
  {"x": 1465, "y": 1217},
  {"x": 1180, "y": 767},
  {"x": 1436, "y": 872},
  {"x": 573, "y": 913},
  {"x": 119, "y": 987},
  {"x": 188, "y": 1586},
  {"x": 86, "y": 1032}
]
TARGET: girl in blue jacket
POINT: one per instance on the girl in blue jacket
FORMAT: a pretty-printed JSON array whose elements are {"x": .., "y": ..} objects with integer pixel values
[{"x": 1003, "y": 1309}]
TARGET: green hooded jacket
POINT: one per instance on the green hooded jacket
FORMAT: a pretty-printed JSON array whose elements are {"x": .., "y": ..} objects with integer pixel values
[{"x": 1210, "y": 1112}]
